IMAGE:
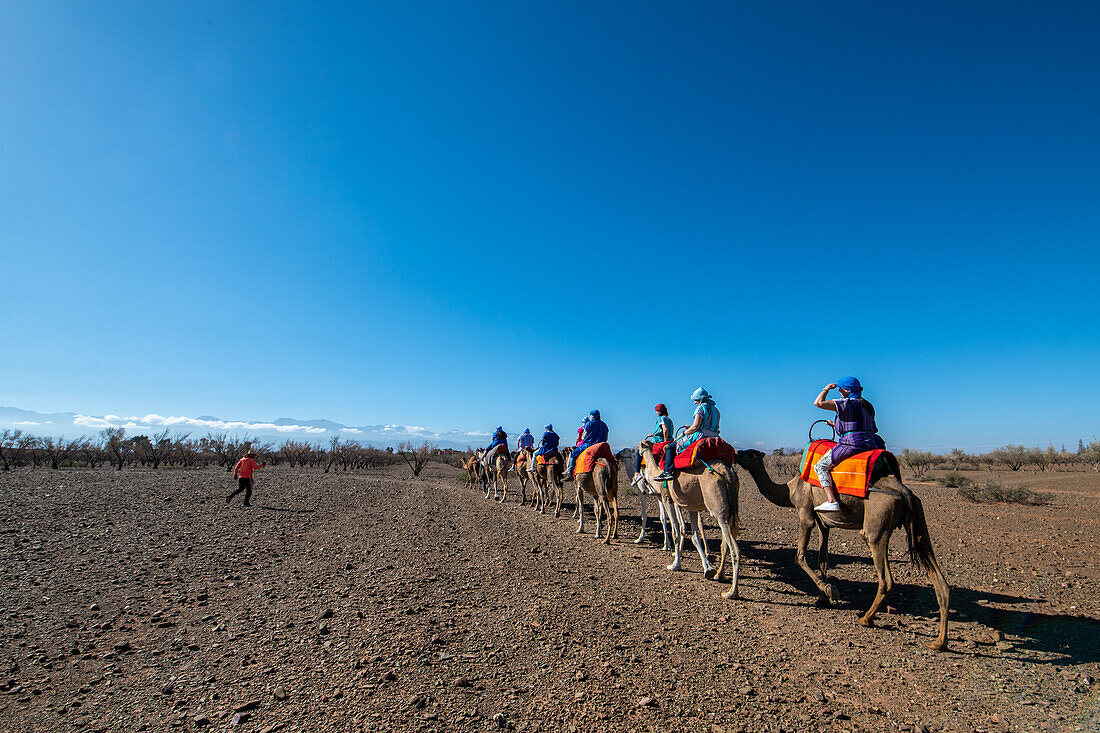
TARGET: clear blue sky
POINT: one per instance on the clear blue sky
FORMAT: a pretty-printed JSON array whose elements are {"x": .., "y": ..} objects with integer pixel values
[{"x": 464, "y": 214}]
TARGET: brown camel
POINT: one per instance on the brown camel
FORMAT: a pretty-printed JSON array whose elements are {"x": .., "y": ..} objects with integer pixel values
[
  {"x": 889, "y": 505},
  {"x": 522, "y": 474},
  {"x": 712, "y": 488},
  {"x": 602, "y": 482},
  {"x": 547, "y": 478},
  {"x": 472, "y": 467},
  {"x": 496, "y": 475}
]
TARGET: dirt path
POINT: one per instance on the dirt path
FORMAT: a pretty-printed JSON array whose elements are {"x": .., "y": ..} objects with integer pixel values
[{"x": 140, "y": 601}]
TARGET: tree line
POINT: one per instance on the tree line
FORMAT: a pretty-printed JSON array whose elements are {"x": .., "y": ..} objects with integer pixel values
[{"x": 112, "y": 447}]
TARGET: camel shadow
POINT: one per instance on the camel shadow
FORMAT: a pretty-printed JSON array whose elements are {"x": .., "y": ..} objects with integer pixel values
[{"x": 1034, "y": 634}]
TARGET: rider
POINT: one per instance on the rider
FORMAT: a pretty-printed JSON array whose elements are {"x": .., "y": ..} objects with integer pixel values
[
  {"x": 549, "y": 442},
  {"x": 594, "y": 431},
  {"x": 500, "y": 440},
  {"x": 662, "y": 431},
  {"x": 705, "y": 425},
  {"x": 856, "y": 432},
  {"x": 525, "y": 441}
]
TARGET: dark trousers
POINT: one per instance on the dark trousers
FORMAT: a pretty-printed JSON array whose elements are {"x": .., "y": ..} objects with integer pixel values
[
  {"x": 670, "y": 455},
  {"x": 245, "y": 485}
]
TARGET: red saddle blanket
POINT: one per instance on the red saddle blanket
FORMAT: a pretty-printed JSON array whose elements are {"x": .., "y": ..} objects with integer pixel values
[
  {"x": 705, "y": 449},
  {"x": 852, "y": 476},
  {"x": 587, "y": 461}
]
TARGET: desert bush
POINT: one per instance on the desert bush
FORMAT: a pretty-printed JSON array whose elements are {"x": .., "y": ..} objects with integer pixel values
[
  {"x": 416, "y": 456},
  {"x": 954, "y": 480},
  {"x": 992, "y": 492},
  {"x": 1089, "y": 454},
  {"x": 1012, "y": 457},
  {"x": 918, "y": 461}
]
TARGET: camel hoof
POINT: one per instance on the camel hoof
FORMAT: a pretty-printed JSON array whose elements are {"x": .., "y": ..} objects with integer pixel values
[
  {"x": 834, "y": 594},
  {"x": 868, "y": 623},
  {"x": 731, "y": 595},
  {"x": 937, "y": 646},
  {"x": 667, "y": 547},
  {"x": 673, "y": 566},
  {"x": 640, "y": 540},
  {"x": 709, "y": 573}
]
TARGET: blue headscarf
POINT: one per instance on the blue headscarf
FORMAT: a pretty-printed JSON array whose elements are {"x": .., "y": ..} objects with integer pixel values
[
  {"x": 702, "y": 396},
  {"x": 549, "y": 428},
  {"x": 595, "y": 414},
  {"x": 527, "y": 431},
  {"x": 852, "y": 385}
]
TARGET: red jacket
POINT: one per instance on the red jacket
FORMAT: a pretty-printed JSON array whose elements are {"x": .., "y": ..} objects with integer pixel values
[{"x": 245, "y": 467}]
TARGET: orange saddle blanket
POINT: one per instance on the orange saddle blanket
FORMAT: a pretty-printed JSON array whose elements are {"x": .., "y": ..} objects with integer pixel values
[
  {"x": 852, "y": 476},
  {"x": 587, "y": 460},
  {"x": 544, "y": 459}
]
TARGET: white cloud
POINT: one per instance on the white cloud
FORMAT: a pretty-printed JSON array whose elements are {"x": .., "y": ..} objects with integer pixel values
[
  {"x": 357, "y": 431},
  {"x": 157, "y": 421},
  {"x": 26, "y": 422}
]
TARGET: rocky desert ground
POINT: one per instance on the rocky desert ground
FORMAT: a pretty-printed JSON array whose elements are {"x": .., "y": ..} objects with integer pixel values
[{"x": 372, "y": 601}]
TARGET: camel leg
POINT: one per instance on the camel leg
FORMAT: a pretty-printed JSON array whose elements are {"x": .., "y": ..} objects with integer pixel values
[
  {"x": 677, "y": 540},
  {"x": 598, "y": 508},
  {"x": 487, "y": 483},
  {"x": 700, "y": 542},
  {"x": 645, "y": 518},
  {"x": 666, "y": 521},
  {"x": 806, "y": 523},
  {"x": 943, "y": 598},
  {"x": 615, "y": 510},
  {"x": 559, "y": 489},
  {"x": 579, "y": 512},
  {"x": 823, "y": 552},
  {"x": 880, "y": 548},
  {"x": 503, "y": 478},
  {"x": 729, "y": 543}
]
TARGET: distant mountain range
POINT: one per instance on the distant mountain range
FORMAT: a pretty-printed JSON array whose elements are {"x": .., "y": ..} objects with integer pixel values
[{"x": 73, "y": 424}]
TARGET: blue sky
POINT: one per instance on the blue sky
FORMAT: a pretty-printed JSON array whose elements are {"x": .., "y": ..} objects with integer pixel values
[{"x": 464, "y": 214}]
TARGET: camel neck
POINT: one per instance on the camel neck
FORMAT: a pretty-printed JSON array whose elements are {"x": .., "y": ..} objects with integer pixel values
[{"x": 778, "y": 494}]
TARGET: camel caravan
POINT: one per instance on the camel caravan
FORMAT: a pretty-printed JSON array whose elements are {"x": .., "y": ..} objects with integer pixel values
[{"x": 850, "y": 483}]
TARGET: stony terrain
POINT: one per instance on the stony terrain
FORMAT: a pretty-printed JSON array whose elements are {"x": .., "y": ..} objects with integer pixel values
[{"x": 140, "y": 601}]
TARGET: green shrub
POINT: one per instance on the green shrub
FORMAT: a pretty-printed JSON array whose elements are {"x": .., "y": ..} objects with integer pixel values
[
  {"x": 954, "y": 480},
  {"x": 992, "y": 492}
]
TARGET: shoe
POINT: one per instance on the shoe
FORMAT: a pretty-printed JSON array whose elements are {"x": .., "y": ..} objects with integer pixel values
[
  {"x": 665, "y": 476},
  {"x": 567, "y": 477},
  {"x": 828, "y": 506},
  {"x": 246, "y": 504}
]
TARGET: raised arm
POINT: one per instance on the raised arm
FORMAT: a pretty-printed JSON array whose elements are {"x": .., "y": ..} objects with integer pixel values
[{"x": 822, "y": 401}]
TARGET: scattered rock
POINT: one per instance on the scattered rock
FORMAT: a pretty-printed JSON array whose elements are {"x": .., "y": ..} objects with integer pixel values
[
  {"x": 122, "y": 646},
  {"x": 327, "y": 613},
  {"x": 461, "y": 682},
  {"x": 168, "y": 688},
  {"x": 646, "y": 702},
  {"x": 202, "y": 721},
  {"x": 245, "y": 706},
  {"x": 323, "y": 629},
  {"x": 280, "y": 693}
]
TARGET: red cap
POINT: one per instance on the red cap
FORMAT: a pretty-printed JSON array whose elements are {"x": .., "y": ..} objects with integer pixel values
[{"x": 660, "y": 407}]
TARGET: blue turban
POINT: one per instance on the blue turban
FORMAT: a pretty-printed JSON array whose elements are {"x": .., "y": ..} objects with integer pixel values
[
  {"x": 701, "y": 395},
  {"x": 527, "y": 431},
  {"x": 595, "y": 414},
  {"x": 852, "y": 385},
  {"x": 549, "y": 428}
]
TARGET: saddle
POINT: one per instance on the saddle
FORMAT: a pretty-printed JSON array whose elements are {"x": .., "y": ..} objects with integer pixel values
[
  {"x": 587, "y": 461},
  {"x": 704, "y": 449},
  {"x": 853, "y": 476},
  {"x": 548, "y": 457}
]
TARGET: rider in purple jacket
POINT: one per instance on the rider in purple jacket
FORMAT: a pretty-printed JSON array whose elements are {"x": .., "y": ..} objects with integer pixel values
[{"x": 855, "y": 429}]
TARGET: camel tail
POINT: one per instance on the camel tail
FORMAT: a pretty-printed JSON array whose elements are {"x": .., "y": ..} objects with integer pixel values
[{"x": 916, "y": 532}]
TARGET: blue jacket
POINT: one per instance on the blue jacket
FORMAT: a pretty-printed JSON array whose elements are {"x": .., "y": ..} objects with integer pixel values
[
  {"x": 549, "y": 443},
  {"x": 594, "y": 432},
  {"x": 499, "y": 438}
]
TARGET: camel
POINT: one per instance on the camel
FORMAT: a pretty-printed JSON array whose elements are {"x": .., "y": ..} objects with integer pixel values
[
  {"x": 472, "y": 467},
  {"x": 889, "y": 504},
  {"x": 547, "y": 478},
  {"x": 709, "y": 487},
  {"x": 496, "y": 475},
  {"x": 646, "y": 489},
  {"x": 602, "y": 482},
  {"x": 523, "y": 474}
]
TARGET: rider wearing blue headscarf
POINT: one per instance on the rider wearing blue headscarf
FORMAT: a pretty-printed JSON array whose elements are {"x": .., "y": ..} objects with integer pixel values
[
  {"x": 500, "y": 438},
  {"x": 705, "y": 425},
  {"x": 526, "y": 440},
  {"x": 549, "y": 442},
  {"x": 856, "y": 432},
  {"x": 595, "y": 431}
]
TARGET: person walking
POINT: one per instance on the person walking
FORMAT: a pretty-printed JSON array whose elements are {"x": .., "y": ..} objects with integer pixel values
[{"x": 243, "y": 473}]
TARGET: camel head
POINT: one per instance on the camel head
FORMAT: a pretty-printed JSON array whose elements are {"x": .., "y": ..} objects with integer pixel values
[
  {"x": 645, "y": 445},
  {"x": 747, "y": 456}
]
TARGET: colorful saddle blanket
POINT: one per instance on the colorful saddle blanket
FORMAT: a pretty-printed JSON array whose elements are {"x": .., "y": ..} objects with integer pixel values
[
  {"x": 587, "y": 461},
  {"x": 544, "y": 459},
  {"x": 704, "y": 449},
  {"x": 521, "y": 458},
  {"x": 852, "y": 476}
]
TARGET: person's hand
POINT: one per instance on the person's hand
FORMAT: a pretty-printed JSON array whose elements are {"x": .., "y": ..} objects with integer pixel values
[{"x": 830, "y": 386}]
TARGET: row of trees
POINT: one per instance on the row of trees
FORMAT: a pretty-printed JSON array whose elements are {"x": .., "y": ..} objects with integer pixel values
[
  {"x": 1009, "y": 457},
  {"x": 113, "y": 447}
]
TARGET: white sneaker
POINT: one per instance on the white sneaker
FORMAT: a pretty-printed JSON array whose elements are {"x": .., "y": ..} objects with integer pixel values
[{"x": 829, "y": 506}]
